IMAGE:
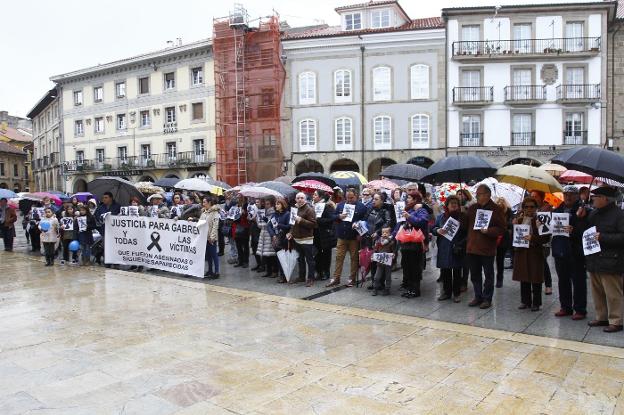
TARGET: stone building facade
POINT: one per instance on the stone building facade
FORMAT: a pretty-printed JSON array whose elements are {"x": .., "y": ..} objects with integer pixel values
[{"x": 615, "y": 81}]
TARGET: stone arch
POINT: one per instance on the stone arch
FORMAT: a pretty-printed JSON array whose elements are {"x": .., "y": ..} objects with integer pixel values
[
  {"x": 377, "y": 165},
  {"x": 199, "y": 174},
  {"x": 524, "y": 160},
  {"x": 171, "y": 176},
  {"x": 80, "y": 185},
  {"x": 421, "y": 161},
  {"x": 147, "y": 178},
  {"x": 344, "y": 165},
  {"x": 308, "y": 165}
]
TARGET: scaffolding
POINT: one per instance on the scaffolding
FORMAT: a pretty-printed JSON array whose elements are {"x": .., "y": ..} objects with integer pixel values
[{"x": 249, "y": 80}]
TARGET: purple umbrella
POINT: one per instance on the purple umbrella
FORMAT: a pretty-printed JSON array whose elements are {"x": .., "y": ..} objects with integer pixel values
[{"x": 83, "y": 197}]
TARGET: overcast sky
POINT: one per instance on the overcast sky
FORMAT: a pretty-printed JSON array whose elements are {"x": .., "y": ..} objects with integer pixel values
[{"x": 41, "y": 38}]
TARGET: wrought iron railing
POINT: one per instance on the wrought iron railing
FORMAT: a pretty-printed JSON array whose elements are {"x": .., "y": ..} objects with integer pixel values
[
  {"x": 575, "y": 137},
  {"x": 578, "y": 92},
  {"x": 518, "y": 47},
  {"x": 520, "y": 93},
  {"x": 471, "y": 139},
  {"x": 473, "y": 94},
  {"x": 183, "y": 159},
  {"x": 523, "y": 139}
]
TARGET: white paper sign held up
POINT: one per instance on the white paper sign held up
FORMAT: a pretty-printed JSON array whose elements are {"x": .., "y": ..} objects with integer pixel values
[
  {"x": 482, "y": 219},
  {"x": 590, "y": 243},
  {"x": 519, "y": 232}
]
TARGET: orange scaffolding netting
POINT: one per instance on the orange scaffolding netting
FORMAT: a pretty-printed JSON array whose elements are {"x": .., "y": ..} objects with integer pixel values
[{"x": 249, "y": 80}]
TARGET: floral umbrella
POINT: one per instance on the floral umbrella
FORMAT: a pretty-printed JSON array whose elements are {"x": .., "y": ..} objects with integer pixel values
[
  {"x": 447, "y": 189},
  {"x": 148, "y": 188},
  {"x": 309, "y": 186},
  {"x": 382, "y": 184}
]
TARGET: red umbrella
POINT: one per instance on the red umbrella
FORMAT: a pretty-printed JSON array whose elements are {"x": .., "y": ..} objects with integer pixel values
[
  {"x": 382, "y": 184},
  {"x": 575, "y": 176},
  {"x": 309, "y": 186},
  {"x": 38, "y": 196}
]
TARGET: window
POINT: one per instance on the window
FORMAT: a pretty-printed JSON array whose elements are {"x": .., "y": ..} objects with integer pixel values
[
  {"x": 574, "y": 88},
  {"x": 197, "y": 76},
  {"x": 344, "y": 133},
  {"x": 145, "y": 118},
  {"x": 199, "y": 150},
  {"x": 170, "y": 114},
  {"x": 307, "y": 135},
  {"x": 353, "y": 21},
  {"x": 16, "y": 170},
  {"x": 98, "y": 94},
  {"x": 99, "y": 155},
  {"x": 146, "y": 152},
  {"x": 382, "y": 83},
  {"x": 121, "y": 122},
  {"x": 471, "y": 131},
  {"x": 307, "y": 88},
  {"x": 522, "y": 37},
  {"x": 380, "y": 18},
  {"x": 419, "y": 76},
  {"x": 268, "y": 137},
  {"x": 521, "y": 79},
  {"x": 420, "y": 130},
  {"x": 574, "y": 128},
  {"x": 342, "y": 82},
  {"x": 120, "y": 89},
  {"x": 470, "y": 91},
  {"x": 98, "y": 125},
  {"x": 80, "y": 156},
  {"x": 470, "y": 35},
  {"x": 198, "y": 111},
  {"x": 144, "y": 85},
  {"x": 521, "y": 130},
  {"x": 574, "y": 36},
  {"x": 383, "y": 132},
  {"x": 122, "y": 154},
  {"x": 172, "y": 151},
  {"x": 78, "y": 128},
  {"x": 77, "y": 98},
  {"x": 1, "y": 169},
  {"x": 170, "y": 80}
]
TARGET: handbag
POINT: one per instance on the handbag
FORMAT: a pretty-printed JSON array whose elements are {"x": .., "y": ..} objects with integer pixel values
[{"x": 411, "y": 235}]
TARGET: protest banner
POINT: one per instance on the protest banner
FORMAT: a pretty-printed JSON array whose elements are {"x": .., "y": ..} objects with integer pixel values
[
  {"x": 319, "y": 208},
  {"x": 399, "y": 208},
  {"x": 451, "y": 227},
  {"x": 558, "y": 223},
  {"x": 590, "y": 244},
  {"x": 544, "y": 219},
  {"x": 482, "y": 220},
  {"x": 383, "y": 258},
  {"x": 348, "y": 210},
  {"x": 165, "y": 244},
  {"x": 519, "y": 232}
]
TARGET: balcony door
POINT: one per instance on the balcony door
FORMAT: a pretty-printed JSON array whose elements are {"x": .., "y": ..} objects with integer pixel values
[
  {"x": 522, "y": 130},
  {"x": 470, "y": 35},
  {"x": 574, "y": 36},
  {"x": 575, "y": 78},
  {"x": 574, "y": 128},
  {"x": 146, "y": 153},
  {"x": 471, "y": 81},
  {"x": 471, "y": 130},
  {"x": 199, "y": 151},
  {"x": 521, "y": 84},
  {"x": 522, "y": 38}
]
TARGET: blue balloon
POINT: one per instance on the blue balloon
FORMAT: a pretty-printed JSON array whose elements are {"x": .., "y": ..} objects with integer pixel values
[
  {"x": 45, "y": 226},
  {"x": 74, "y": 246}
]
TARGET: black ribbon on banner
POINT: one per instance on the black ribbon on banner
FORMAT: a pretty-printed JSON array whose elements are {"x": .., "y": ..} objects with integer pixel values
[{"x": 155, "y": 237}]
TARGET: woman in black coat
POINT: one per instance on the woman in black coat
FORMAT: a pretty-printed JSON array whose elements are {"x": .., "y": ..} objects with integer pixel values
[{"x": 324, "y": 234}]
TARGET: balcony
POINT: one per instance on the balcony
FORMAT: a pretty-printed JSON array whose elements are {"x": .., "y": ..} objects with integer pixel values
[
  {"x": 525, "y": 94},
  {"x": 519, "y": 49},
  {"x": 523, "y": 139},
  {"x": 473, "y": 95},
  {"x": 574, "y": 138},
  {"x": 471, "y": 139},
  {"x": 55, "y": 158},
  {"x": 186, "y": 159},
  {"x": 578, "y": 93}
]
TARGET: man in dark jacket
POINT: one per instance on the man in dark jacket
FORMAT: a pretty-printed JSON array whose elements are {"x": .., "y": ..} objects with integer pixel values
[
  {"x": 302, "y": 233},
  {"x": 347, "y": 237},
  {"x": 8, "y": 217},
  {"x": 107, "y": 206},
  {"x": 481, "y": 247},
  {"x": 570, "y": 261},
  {"x": 607, "y": 266}
]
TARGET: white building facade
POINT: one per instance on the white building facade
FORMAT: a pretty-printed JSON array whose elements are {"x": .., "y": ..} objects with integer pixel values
[
  {"x": 46, "y": 157},
  {"x": 141, "y": 118},
  {"x": 526, "y": 82},
  {"x": 366, "y": 94}
]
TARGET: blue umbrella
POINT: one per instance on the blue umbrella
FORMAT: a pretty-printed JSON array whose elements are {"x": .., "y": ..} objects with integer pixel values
[{"x": 8, "y": 194}]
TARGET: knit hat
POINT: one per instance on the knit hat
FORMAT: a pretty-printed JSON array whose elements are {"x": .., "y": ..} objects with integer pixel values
[{"x": 570, "y": 189}]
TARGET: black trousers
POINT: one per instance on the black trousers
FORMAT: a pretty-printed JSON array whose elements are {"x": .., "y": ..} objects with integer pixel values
[
  {"x": 323, "y": 261},
  {"x": 572, "y": 284},
  {"x": 307, "y": 252},
  {"x": 412, "y": 265},
  {"x": 242, "y": 246},
  {"x": 547, "y": 275},
  {"x": 50, "y": 252},
  {"x": 451, "y": 281},
  {"x": 501, "y": 253},
  {"x": 481, "y": 266},
  {"x": 221, "y": 238},
  {"x": 271, "y": 263},
  {"x": 8, "y": 234},
  {"x": 531, "y": 294},
  {"x": 35, "y": 239},
  {"x": 66, "y": 251}
]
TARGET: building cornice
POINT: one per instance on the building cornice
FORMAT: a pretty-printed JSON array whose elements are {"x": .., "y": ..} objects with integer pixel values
[{"x": 488, "y": 11}]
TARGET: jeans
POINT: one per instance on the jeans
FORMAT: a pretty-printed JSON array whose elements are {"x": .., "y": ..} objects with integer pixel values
[
  {"x": 483, "y": 289},
  {"x": 306, "y": 254},
  {"x": 531, "y": 294},
  {"x": 342, "y": 247},
  {"x": 572, "y": 284},
  {"x": 242, "y": 247},
  {"x": 451, "y": 281},
  {"x": 85, "y": 253},
  {"x": 212, "y": 256}
]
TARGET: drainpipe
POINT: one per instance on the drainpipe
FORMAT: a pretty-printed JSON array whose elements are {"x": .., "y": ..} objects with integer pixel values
[
  {"x": 362, "y": 94},
  {"x": 446, "y": 82},
  {"x": 613, "y": 83}
]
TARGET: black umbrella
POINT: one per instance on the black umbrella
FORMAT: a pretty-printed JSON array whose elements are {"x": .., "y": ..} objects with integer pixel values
[
  {"x": 167, "y": 182},
  {"x": 403, "y": 171},
  {"x": 288, "y": 191},
  {"x": 596, "y": 162},
  {"x": 321, "y": 177},
  {"x": 459, "y": 169},
  {"x": 122, "y": 190}
]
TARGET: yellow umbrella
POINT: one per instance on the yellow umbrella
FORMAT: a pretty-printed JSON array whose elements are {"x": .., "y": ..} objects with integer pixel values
[
  {"x": 348, "y": 178},
  {"x": 554, "y": 170},
  {"x": 529, "y": 178}
]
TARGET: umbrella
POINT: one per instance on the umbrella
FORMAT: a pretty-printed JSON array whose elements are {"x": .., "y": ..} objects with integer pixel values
[
  {"x": 196, "y": 184},
  {"x": 7, "y": 194},
  {"x": 459, "y": 169},
  {"x": 167, "y": 182},
  {"x": 284, "y": 189},
  {"x": 554, "y": 170},
  {"x": 258, "y": 192},
  {"x": 594, "y": 161},
  {"x": 309, "y": 186},
  {"x": 39, "y": 196},
  {"x": 148, "y": 188},
  {"x": 528, "y": 178},
  {"x": 576, "y": 177},
  {"x": 511, "y": 193},
  {"x": 348, "y": 179},
  {"x": 58, "y": 193},
  {"x": 83, "y": 197},
  {"x": 447, "y": 189},
  {"x": 288, "y": 260},
  {"x": 285, "y": 179},
  {"x": 12, "y": 204},
  {"x": 217, "y": 183},
  {"x": 403, "y": 171},
  {"x": 382, "y": 184},
  {"x": 122, "y": 190},
  {"x": 320, "y": 177},
  {"x": 554, "y": 199}
]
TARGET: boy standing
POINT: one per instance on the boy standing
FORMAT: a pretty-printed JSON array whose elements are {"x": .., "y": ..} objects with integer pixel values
[{"x": 383, "y": 274}]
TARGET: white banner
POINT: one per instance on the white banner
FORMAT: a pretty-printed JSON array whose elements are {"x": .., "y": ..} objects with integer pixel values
[{"x": 166, "y": 244}]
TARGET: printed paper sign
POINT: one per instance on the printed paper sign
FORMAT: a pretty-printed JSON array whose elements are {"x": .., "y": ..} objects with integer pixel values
[
  {"x": 544, "y": 218},
  {"x": 274, "y": 223},
  {"x": 40, "y": 212},
  {"x": 133, "y": 211},
  {"x": 361, "y": 227},
  {"x": 319, "y": 208},
  {"x": 451, "y": 227},
  {"x": 251, "y": 211},
  {"x": 165, "y": 244},
  {"x": 222, "y": 214},
  {"x": 519, "y": 232},
  {"x": 261, "y": 214},
  {"x": 348, "y": 210},
  {"x": 558, "y": 223},
  {"x": 67, "y": 224},
  {"x": 482, "y": 219},
  {"x": 383, "y": 258},
  {"x": 153, "y": 211},
  {"x": 82, "y": 223},
  {"x": 590, "y": 244},
  {"x": 123, "y": 211},
  {"x": 233, "y": 213},
  {"x": 399, "y": 209},
  {"x": 293, "y": 215},
  {"x": 178, "y": 210}
]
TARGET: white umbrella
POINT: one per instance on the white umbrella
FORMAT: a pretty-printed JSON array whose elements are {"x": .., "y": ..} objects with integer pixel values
[
  {"x": 196, "y": 185},
  {"x": 288, "y": 260},
  {"x": 258, "y": 191},
  {"x": 513, "y": 194}
]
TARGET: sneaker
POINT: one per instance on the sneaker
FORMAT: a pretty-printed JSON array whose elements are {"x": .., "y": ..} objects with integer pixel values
[
  {"x": 74, "y": 262},
  {"x": 578, "y": 316},
  {"x": 333, "y": 283},
  {"x": 563, "y": 313}
]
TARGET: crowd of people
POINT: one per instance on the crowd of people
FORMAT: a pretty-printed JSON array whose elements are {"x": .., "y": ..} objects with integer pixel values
[{"x": 472, "y": 237}]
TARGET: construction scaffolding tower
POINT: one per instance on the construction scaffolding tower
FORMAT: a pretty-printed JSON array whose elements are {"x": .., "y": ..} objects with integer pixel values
[{"x": 249, "y": 80}]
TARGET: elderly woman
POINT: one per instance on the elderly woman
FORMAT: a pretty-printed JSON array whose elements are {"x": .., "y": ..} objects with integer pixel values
[
  {"x": 157, "y": 208},
  {"x": 529, "y": 262},
  {"x": 210, "y": 213},
  {"x": 413, "y": 253},
  {"x": 278, "y": 227},
  {"x": 265, "y": 247}
]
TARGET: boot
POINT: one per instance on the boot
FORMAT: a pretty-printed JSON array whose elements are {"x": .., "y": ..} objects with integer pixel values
[{"x": 499, "y": 281}]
